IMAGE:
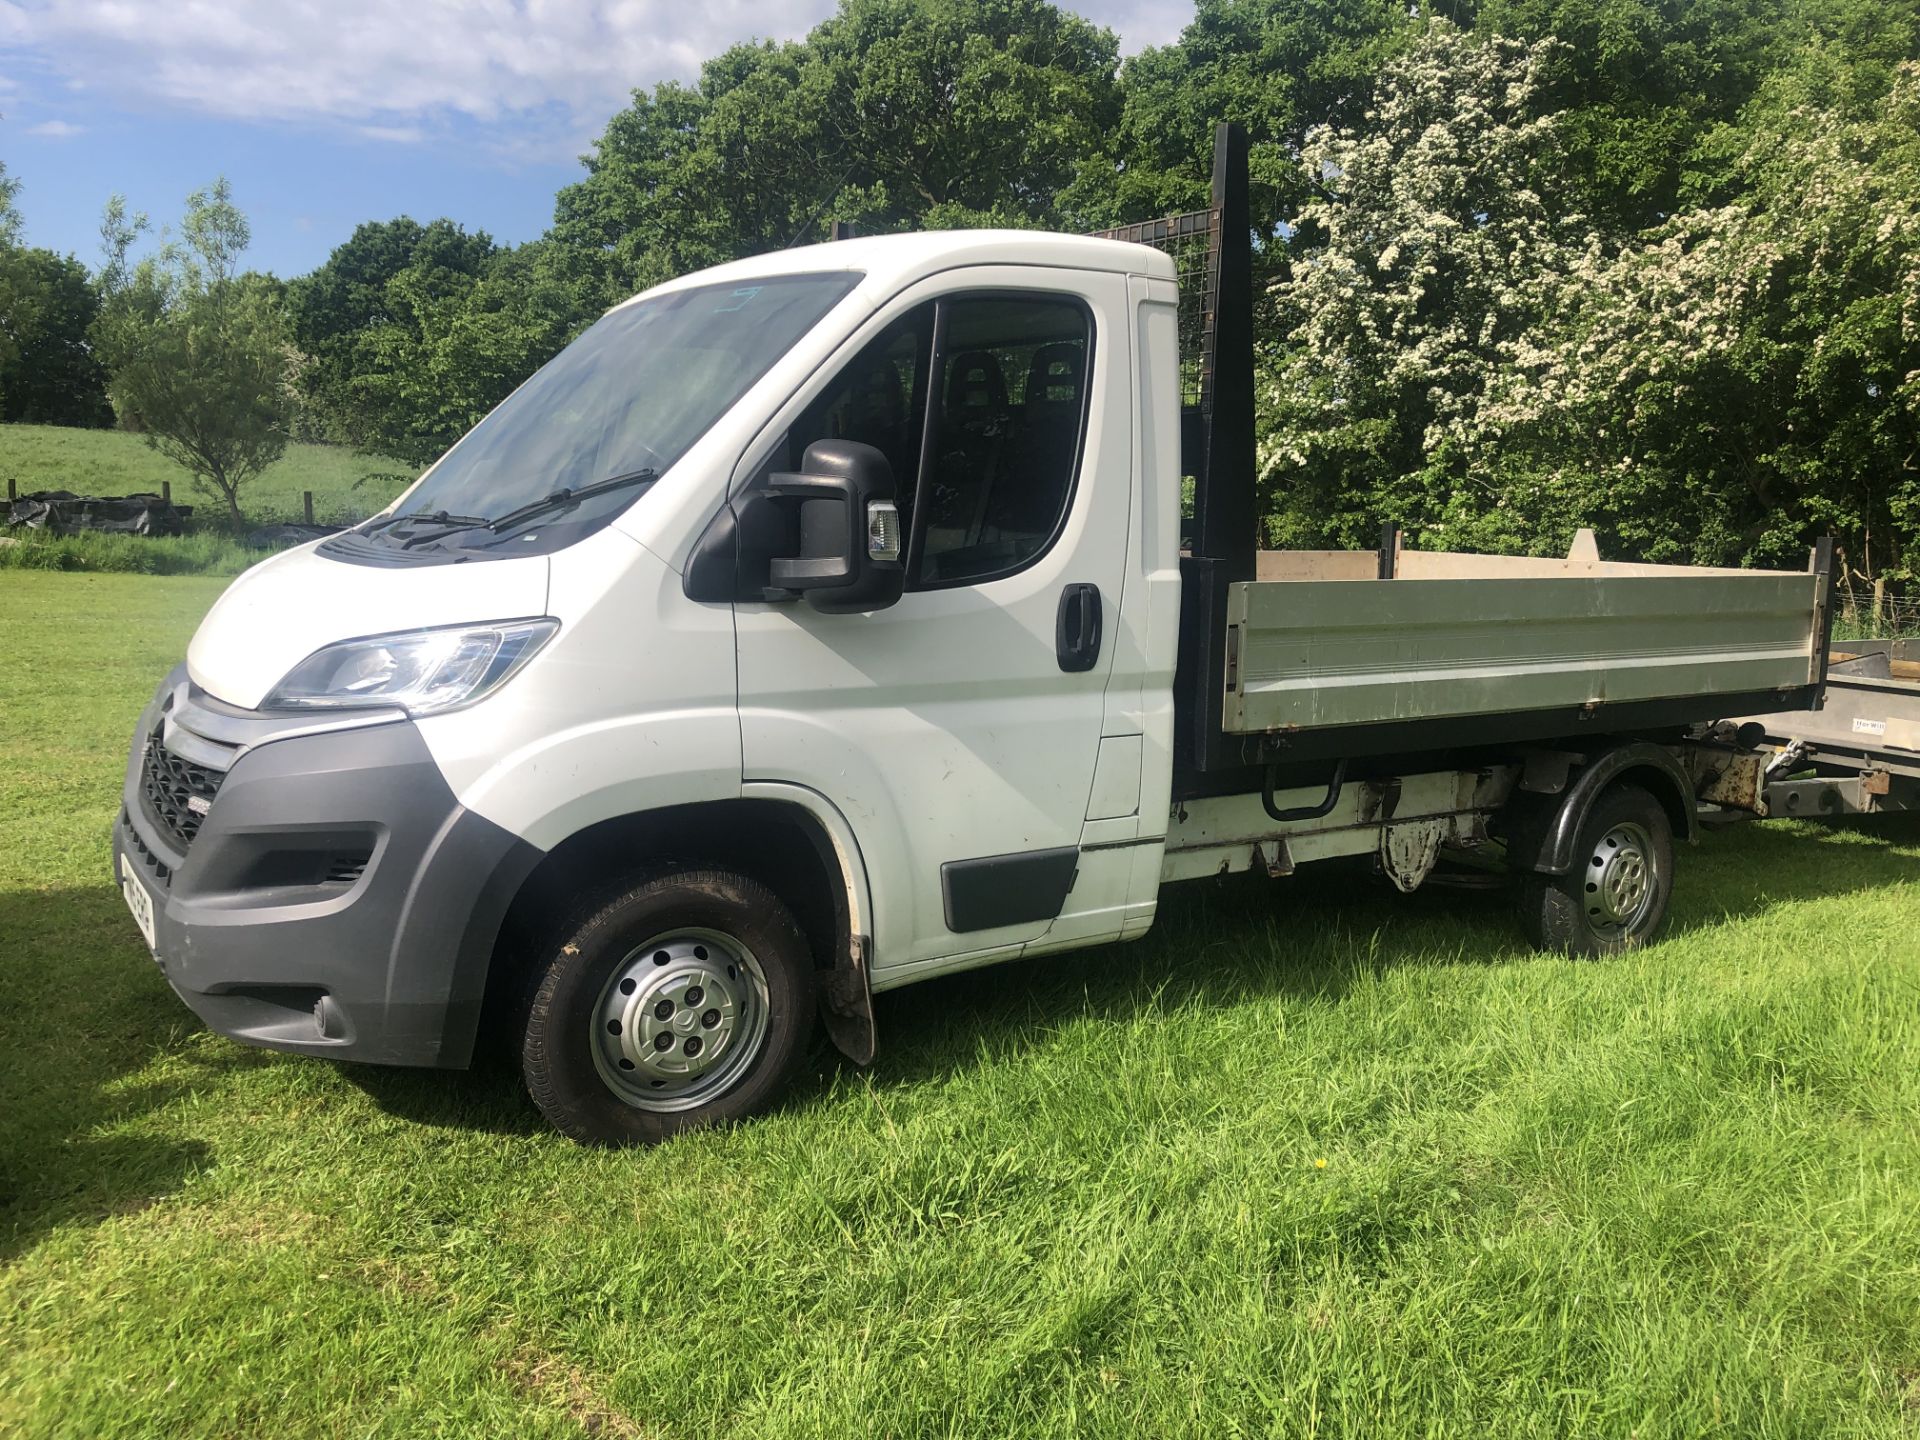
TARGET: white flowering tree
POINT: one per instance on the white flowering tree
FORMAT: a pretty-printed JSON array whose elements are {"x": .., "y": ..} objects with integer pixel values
[
  {"x": 1432, "y": 249},
  {"x": 1748, "y": 376}
]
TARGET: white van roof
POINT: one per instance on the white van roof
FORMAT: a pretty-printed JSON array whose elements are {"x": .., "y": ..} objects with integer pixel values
[{"x": 892, "y": 261}]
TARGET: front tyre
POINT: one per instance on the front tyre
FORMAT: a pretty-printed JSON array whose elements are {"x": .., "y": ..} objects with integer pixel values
[
  {"x": 1614, "y": 898},
  {"x": 682, "y": 1003}
]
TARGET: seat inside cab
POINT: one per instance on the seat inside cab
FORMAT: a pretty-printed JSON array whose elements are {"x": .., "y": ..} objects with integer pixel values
[{"x": 1008, "y": 409}]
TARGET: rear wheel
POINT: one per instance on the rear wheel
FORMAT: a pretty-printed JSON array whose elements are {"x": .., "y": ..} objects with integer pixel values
[
  {"x": 1615, "y": 896},
  {"x": 684, "y": 1002}
]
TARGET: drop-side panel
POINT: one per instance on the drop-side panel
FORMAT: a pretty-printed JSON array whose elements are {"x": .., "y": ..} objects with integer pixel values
[{"x": 1355, "y": 652}]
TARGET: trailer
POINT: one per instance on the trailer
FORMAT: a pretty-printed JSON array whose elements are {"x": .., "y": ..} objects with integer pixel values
[
  {"x": 831, "y": 620},
  {"x": 1857, "y": 755}
]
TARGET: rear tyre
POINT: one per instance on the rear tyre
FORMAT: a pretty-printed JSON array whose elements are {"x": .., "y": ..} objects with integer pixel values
[
  {"x": 682, "y": 1003},
  {"x": 1614, "y": 898}
]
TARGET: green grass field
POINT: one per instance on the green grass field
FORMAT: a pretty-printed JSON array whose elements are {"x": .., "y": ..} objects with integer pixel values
[
  {"x": 113, "y": 462},
  {"x": 1311, "y": 1160}
]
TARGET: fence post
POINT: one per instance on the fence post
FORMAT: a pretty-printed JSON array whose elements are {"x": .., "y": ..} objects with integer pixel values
[{"x": 306, "y": 504}]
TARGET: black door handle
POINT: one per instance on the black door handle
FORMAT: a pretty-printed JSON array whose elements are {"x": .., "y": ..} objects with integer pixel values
[{"x": 1076, "y": 629}]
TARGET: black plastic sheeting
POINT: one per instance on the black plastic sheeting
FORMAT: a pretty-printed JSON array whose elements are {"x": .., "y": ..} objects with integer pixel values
[
  {"x": 63, "y": 513},
  {"x": 60, "y": 512}
]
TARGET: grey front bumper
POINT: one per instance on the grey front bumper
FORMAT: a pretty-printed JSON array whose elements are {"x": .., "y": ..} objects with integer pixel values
[{"x": 336, "y": 898}]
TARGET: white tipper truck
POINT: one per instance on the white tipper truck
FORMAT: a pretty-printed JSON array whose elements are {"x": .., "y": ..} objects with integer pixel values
[{"x": 829, "y": 620}]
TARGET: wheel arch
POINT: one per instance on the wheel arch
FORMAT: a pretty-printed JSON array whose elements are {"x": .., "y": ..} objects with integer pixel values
[
  {"x": 1545, "y": 831},
  {"x": 787, "y": 837}
]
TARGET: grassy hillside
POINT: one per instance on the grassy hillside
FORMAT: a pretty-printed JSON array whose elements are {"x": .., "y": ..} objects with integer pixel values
[
  {"x": 1313, "y": 1159},
  {"x": 112, "y": 462}
]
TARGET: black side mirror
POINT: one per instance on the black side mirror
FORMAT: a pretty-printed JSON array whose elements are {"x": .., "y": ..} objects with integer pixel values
[
  {"x": 846, "y": 533},
  {"x": 831, "y": 533}
]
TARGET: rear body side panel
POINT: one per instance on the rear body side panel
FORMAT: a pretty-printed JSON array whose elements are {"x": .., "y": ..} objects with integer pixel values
[{"x": 1329, "y": 653}]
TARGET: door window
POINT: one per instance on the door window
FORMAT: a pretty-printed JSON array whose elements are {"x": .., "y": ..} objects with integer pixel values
[
  {"x": 878, "y": 399},
  {"x": 1006, "y": 399},
  {"x": 1010, "y": 410}
]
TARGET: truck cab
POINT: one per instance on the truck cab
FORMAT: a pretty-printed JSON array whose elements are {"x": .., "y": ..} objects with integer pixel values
[{"x": 575, "y": 657}]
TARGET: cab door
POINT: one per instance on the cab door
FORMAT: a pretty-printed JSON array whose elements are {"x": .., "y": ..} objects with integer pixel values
[{"x": 958, "y": 730}]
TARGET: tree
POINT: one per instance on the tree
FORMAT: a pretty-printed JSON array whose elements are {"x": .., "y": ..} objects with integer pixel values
[
  {"x": 891, "y": 114},
  {"x": 1278, "y": 67},
  {"x": 9, "y": 241},
  {"x": 1645, "y": 85},
  {"x": 1747, "y": 377},
  {"x": 9, "y": 208},
  {"x": 1638, "y": 83},
  {"x": 1434, "y": 242},
  {"x": 445, "y": 358},
  {"x": 199, "y": 354},
  {"x": 412, "y": 333},
  {"x": 49, "y": 371},
  {"x": 338, "y": 310},
  {"x": 120, "y": 231}
]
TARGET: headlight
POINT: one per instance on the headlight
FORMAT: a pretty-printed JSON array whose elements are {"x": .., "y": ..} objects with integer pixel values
[{"x": 420, "y": 671}]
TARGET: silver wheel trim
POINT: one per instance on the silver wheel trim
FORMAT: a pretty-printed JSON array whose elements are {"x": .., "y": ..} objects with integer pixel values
[
  {"x": 679, "y": 1020},
  {"x": 1622, "y": 882}
]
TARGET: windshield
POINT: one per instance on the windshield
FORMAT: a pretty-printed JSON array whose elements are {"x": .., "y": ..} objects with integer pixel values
[{"x": 620, "y": 404}]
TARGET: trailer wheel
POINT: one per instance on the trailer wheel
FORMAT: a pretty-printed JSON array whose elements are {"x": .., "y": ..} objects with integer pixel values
[
  {"x": 685, "y": 1002},
  {"x": 1615, "y": 896}
]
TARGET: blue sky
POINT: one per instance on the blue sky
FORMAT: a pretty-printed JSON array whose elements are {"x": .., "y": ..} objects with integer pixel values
[{"x": 325, "y": 113}]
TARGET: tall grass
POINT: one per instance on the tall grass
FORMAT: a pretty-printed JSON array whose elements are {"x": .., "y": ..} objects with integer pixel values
[
  {"x": 1894, "y": 620},
  {"x": 203, "y": 552}
]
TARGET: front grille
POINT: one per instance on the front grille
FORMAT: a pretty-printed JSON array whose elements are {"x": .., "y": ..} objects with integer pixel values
[
  {"x": 154, "y": 865},
  {"x": 178, "y": 792}
]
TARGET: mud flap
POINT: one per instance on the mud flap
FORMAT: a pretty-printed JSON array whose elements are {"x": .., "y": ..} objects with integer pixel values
[{"x": 846, "y": 1005}]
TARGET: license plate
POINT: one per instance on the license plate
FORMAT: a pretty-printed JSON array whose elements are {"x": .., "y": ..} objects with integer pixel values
[{"x": 139, "y": 902}]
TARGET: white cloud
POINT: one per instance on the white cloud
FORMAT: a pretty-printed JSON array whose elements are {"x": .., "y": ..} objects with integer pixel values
[
  {"x": 368, "y": 61},
  {"x": 56, "y": 129},
  {"x": 392, "y": 134},
  {"x": 394, "y": 70},
  {"x": 1139, "y": 23}
]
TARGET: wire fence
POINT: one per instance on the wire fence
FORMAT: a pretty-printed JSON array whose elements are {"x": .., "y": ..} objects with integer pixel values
[{"x": 1863, "y": 615}]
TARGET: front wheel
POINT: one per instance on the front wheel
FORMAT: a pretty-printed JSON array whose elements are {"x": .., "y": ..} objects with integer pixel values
[
  {"x": 684, "y": 1002},
  {"x": 1615, "y": 896}
]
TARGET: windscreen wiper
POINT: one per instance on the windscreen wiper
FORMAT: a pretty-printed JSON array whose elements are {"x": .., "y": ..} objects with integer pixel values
[
  {"x": 443, "y": 524},
  {"x": 429, "y": 517},
  {"x": 564, "y": 499}
]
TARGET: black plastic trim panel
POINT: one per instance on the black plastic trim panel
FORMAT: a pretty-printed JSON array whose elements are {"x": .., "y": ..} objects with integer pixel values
[{"x": 1001, "y": 890}]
